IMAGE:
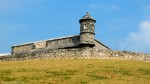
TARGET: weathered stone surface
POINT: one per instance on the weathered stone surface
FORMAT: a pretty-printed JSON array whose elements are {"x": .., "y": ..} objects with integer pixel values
[
  {"x": 63, "y": 43},
  {"x": 87, "y": 53},
  {"x": 100, "y": 46},
  {"x": 22, "y": 48},
  {"x": 41, "y": 44}
]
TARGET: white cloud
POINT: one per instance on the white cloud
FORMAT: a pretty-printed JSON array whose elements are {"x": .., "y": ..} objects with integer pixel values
[{"x": 138, "y": 41}]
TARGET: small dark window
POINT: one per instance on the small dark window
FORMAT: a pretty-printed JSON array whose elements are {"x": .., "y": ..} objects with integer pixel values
[{"x": 93, "y": 27}]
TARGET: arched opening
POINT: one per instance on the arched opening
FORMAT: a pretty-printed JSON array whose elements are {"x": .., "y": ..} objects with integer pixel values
[
  {"x": 93, "y": 27},
  {"x": 84, "y": 26}
]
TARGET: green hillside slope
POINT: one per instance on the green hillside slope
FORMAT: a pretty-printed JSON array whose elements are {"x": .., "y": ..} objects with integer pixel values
[{"x": 94, "y": 71}]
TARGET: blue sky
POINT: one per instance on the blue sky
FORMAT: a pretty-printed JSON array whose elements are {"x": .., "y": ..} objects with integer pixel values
[{"x": 121, "y": 24}]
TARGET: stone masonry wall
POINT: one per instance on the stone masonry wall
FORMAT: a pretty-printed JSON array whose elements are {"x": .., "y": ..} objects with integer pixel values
[
  {"x": 100, "y": 46},
  {"x": 22, "y": 48},
  {"x": 77, "y": 54},
  {"x": 48, "y": 44},
  {"x": 63, "y": 43}
]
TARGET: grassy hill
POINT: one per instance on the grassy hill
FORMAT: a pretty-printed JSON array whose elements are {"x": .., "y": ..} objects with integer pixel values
[{"x": 94, "y": 71}]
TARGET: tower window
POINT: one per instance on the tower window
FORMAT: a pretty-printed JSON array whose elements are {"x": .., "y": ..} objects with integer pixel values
[
  {"x": 84, "y": 26},
  {"x": 93, "y": 27}
]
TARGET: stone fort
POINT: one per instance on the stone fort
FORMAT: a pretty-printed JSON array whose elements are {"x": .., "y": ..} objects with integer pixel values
[
  {"x": 85, "y": 39},
  {"x": 82, "y": 46}
]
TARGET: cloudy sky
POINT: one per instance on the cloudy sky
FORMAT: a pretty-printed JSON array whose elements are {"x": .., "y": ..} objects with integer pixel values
[{"x": 121, "y": 24}]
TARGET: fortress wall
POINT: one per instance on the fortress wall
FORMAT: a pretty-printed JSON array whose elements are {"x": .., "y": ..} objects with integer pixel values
[
  {"x": 78, "y": 54},
  {"x": 47, "y": 44},
  {"x": 22, "y": 48},
  {"x": 100, "y": 46},
  {"x": 63, "y": 43}
]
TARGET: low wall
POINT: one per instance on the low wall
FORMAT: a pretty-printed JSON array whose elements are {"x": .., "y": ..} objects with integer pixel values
[{"x": 77, "y": 54}]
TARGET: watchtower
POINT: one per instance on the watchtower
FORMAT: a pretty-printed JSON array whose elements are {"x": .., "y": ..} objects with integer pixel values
[{"x": 87, "y": 31}]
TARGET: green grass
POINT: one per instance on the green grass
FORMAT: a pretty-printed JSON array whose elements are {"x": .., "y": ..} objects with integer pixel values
[{"x": 94, "y": 71}]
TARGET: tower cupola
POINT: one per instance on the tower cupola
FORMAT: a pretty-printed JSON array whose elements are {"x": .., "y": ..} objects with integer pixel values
[
  {"x": 87, "y": 17},
  {"x": 87, "y": 30}
]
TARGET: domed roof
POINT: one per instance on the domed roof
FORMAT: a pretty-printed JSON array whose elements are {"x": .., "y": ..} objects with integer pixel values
[{"x": 87, "y": 17}]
